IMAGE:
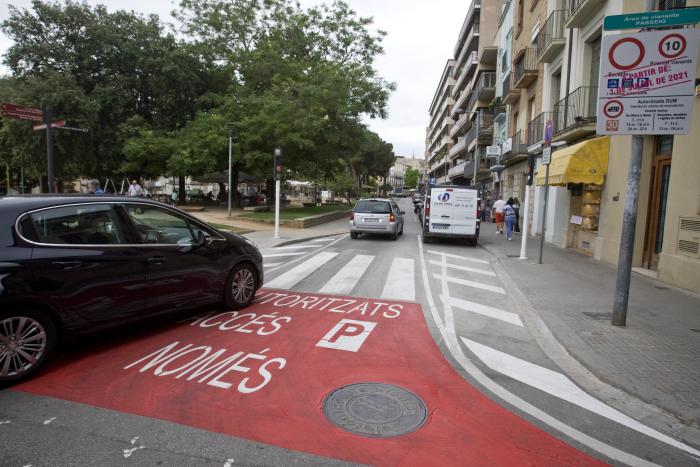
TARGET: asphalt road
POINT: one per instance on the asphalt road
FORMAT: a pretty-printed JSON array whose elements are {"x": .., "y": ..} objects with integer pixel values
[{"x": 468, "y": 352}]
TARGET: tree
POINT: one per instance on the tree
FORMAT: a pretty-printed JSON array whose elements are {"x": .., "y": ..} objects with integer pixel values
[{"x": 410, "y": 177}]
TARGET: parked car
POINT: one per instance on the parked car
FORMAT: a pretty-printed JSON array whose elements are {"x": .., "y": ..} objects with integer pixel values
[
  {"x": 451, "y": 212},
  {"x": 376, "y": 216},
  {"x": 71, "y": 265}
]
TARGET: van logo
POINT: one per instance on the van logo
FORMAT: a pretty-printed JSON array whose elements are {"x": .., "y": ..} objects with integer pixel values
[{"x": 443, "y": 197}]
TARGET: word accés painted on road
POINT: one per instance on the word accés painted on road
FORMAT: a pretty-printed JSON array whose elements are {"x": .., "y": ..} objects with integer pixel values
[
  {"x": 647, "y": 82},
  {"x": 214, "y": 367},
  {"x": 262, "y": 373}
]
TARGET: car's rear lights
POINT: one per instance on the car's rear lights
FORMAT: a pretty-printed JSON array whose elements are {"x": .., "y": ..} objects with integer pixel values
[
  {"x": 392, "y": 218},
  {"x": 427, "y": 210}
]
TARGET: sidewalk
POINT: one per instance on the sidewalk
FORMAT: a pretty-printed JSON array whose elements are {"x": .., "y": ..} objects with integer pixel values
[
  {"x": 262, "y": 233},
  {"x": 654, "y": 358}
]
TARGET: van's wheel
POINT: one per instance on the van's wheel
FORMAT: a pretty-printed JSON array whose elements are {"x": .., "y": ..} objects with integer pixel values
[
  {"x": 241, "y": 286},
  {"x": 27, "y": 339},
  {"x": 353, "y": 235}
]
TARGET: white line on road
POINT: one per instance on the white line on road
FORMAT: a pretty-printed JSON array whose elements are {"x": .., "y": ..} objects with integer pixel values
[
  {"x": 324, "y": 239},
  {"x": 292, "y": 247},
  {"x": 449, "y": 335},
  {"x": 484, "y": 310},
  {"x": 478, "y": 285},
  {"x": 401, "y": 282},
  {"x": 295, "y": 275},
  {"x": 346, "y": 279},
  {"x": 271, "y": 265},
  {"x": 464, "y": 258},
  {"x": 275, "y": 255},
  {"x": 465, "y": 268},
  {"x": 560, "y": 386}
]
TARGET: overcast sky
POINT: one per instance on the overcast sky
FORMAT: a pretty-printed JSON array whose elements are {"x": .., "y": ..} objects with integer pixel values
[{"x": 421, "y": 36}]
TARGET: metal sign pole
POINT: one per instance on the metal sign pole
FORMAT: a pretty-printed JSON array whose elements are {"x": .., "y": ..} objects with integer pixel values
[
  {"x": 230, "y": 188},
  {"x": 49, "y": 148},
  {"x": 629, "y": 223}
]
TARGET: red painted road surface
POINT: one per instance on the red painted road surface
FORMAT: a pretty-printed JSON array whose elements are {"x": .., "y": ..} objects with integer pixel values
[{"x": 262, "y": 374}]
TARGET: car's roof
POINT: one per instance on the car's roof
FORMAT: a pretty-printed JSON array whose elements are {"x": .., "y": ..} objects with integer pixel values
[
  {"x": 374, "y": 199},
  {"x": 17, "y": 204}
]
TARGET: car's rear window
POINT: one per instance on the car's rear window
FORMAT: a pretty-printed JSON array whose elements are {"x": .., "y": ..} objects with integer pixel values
[{"x": 374, "y": 207}]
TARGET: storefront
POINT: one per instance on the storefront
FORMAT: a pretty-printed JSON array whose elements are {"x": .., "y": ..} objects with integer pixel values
[{"x": 580, "y": 168}]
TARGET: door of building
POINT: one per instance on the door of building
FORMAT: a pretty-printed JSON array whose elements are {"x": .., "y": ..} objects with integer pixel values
[{"x": 656, "y": 211}]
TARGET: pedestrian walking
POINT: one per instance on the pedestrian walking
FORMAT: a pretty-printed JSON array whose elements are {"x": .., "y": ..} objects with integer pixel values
[
  {"x": 94, "y": 187},
  {"x": 498, "y": 207},
  {"x": 509, "y": 217},
  {"x": 135, "y": 189},
  {"x": 173, "y": 198},
  {"x": 516, "y": 208}
]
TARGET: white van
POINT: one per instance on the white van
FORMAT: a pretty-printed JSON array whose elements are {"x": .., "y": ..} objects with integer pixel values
[{"x": 451, "y": 212}]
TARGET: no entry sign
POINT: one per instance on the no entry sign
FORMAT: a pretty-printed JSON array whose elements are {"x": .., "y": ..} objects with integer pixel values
[
  {"x": 647, "y": 82},
  {"x": 266, "y": 373}
]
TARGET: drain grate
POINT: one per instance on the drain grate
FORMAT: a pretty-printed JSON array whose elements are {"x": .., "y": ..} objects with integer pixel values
[{"x": 375, "y": 410}]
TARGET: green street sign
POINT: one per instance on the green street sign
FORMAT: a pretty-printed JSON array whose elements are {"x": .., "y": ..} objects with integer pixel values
[{"x": 653, "y": 19}]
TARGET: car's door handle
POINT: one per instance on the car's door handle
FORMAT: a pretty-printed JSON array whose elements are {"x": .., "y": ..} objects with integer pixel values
[
  {"x": 156, "y": 260},
  {"x": 68, "y": 264}
]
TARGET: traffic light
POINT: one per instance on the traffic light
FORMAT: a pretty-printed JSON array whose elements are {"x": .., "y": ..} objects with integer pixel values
[{"x": 278, "y": 164}]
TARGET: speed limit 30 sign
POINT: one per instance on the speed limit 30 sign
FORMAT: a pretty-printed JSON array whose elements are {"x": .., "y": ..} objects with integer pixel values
[{"x": 647, "y": 82}]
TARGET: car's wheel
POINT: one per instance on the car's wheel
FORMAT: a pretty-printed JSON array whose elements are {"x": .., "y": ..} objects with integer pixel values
[
  {"x": 27, "y": 339},
  {"x": 401, "y": 232},
  {"x": 426, "y": 239},
  {"x": 353, "y": 235},
  {"x": 241, "y": 286},
  {"x": 395, "y": 235}
]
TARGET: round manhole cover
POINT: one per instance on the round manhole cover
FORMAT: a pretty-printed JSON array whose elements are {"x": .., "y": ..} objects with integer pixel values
[{"x": 376, "y": 410}]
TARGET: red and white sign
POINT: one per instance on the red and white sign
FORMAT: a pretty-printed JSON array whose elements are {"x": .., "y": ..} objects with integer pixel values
[
  {"x": 55, "y": 124},
  {"x": 647, "y": 82},
  {"x": 262, "y": 373},
  {"x": 22, "y": 113}
]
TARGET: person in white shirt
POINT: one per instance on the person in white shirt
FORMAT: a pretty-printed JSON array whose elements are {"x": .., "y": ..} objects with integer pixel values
[
  {"x": 498, "y": 207},
  {"x": 135, "y": 189}
]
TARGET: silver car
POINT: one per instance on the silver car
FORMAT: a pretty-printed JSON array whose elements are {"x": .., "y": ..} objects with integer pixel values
[{"x": 377, "y": 216}]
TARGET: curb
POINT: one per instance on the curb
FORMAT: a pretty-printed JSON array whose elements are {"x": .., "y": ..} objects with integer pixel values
[{"x": 304, "y": 239}]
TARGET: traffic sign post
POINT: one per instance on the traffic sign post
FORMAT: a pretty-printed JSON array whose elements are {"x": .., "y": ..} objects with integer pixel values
[
  {"x": 646, "y": 87},
  {"x": 277, "y": 160},
  {"x": 21, "y": 112}
]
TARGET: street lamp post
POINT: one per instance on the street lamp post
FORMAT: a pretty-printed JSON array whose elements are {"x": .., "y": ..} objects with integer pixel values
[
  {"x": 277, "y": 161},
  {"x": 230, "y": 162}
]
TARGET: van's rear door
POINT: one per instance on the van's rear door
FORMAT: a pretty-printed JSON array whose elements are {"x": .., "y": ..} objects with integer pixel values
[
  {"x": 464, "y": 209},
  {"x": 441, "y": 203}
]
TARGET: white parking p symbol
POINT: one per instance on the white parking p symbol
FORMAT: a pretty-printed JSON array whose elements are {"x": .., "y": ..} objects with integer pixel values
[{"x": 348, "y": 335}]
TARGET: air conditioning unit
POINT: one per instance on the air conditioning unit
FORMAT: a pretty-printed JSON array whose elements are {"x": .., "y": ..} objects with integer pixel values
[{"x": 689, "y": 237}]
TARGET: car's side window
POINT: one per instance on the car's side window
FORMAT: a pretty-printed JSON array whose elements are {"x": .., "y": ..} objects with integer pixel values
[
  {"x": 84, "y": 224},
  {"x": 159, "y": 226}
]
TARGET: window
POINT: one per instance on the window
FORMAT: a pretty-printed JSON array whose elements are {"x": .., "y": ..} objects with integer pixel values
[
  {"x": 84, "y": 224},
  {"x": 671, "y": 4},
  {"x": 373, "y": 207},
  {"x": 664, "y": 145},
  {"x": 519, "y": 23},
  {"x": 158, "y": 226}
]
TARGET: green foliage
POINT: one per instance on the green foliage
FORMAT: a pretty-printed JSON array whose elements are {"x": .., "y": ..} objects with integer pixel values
[{"x": 410, "y": 177}]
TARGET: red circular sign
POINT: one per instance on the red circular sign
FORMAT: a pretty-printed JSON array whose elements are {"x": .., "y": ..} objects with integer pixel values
[
  {"x": 637, "y": 61},
  {"x": 613, "y": 112},
  {"x": 673, "y": 53}
]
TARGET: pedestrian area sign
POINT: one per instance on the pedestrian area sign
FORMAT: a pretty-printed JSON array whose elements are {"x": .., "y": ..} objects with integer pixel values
[{"x": 647, "y": 82}]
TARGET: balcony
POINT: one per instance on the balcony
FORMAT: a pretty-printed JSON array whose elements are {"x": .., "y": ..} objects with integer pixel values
[
  {"x": 471, "y": 44},
  {"x": 459, "y": 125},
  {"x": 457, "y": 170},
  {"x": 458, "y": 148},
  {"x": 576, "y": 114},
  {"x": 550, "y": 39},
  {"x": 510, "y": 94},
  {"x": 481, "y": 131},
  {"x": 459, "y": 104},
  {"x": 489, "y": 56},
  {"x": 484, "y": 89},
  {"x": 472, "y": 13},
  {"x": 535, "y": 129},
  {"x": 579, "y": 11},
  {"x": 516, "y": 148},
  {"x": 466, "y": 72},
  {"x": 525, "y": 67},
  {"x": 483, "y": 165}
]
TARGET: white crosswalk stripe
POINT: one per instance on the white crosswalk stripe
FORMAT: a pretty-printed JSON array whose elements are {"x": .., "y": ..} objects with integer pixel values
[
  {"x": 346, "y": 279},
  {"x": 295, "y": 275},
  {"x": 401, "y": 282},
  {"x": 463, "y": 258},
  {"x": 293, "y": 247},
  {"x": 484, "y": 310},
  {"x": 271, "y": 265},
  {"x": 478, "y": 285},
  {"x": 275, "y": 255},
  {"x": 465, "y": 268}
]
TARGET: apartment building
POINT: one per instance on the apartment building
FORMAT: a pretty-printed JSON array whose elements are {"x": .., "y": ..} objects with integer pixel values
[
  {"x": 457, "y": 138},
  {"x": 585, "y": 212}
]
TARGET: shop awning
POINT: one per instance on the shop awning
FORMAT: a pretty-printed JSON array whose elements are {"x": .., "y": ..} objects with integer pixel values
[{"x": 585, "y": 162}]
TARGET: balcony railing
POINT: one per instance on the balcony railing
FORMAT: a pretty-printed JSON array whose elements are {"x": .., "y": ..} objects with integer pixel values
[
  {"x": 525, "y": 69},
  {"x": 483, "y": 89},
  {"x": 465, "y": 72},
  {"x": 578, "y": 11},
  {"x": 535, "y": 129},
  {"x": 509, "y": 93},
  {"x": 459, "y": 104},
  {"x": 457, "y": 169},
  {"x": 577, "y": 108},
  {"x": 459, "y": 124},
  {"x": 458, "y": 148},
  {"x": 468, "y": 20},
  {"x": 485, "y": 128},
  {"x": 517, "y": 146},
  {"x": 471, "y": 134},
  {"x": 550, "y": 39}
]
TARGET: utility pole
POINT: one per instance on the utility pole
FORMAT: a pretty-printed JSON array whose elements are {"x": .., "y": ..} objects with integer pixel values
[
  {"x": 49, "y": 147},
  {"x": 277, "y": 160},
  {"x": 230, "y": 175}
]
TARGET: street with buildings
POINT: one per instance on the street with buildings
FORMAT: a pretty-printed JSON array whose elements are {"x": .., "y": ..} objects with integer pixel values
[{"x": 362, "y": 333}]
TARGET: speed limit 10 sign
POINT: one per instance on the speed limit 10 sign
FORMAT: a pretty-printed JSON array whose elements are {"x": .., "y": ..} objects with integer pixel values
[{"x": 647, "y": 82}]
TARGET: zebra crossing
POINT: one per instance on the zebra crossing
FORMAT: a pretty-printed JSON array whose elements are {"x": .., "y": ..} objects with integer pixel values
[{"x": 276, "y": 257}]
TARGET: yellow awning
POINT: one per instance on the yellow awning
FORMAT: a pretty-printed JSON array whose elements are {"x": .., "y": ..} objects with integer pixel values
[{"x": 585, "y": 162}]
